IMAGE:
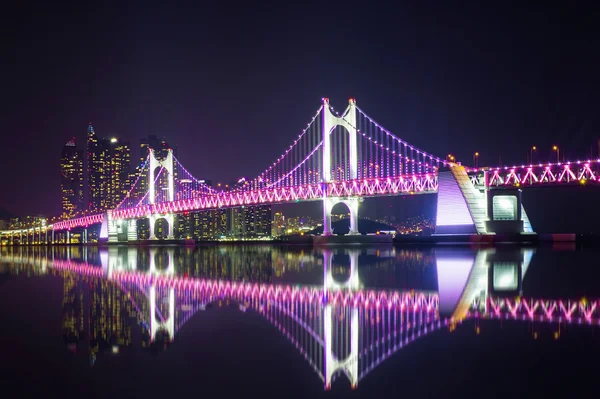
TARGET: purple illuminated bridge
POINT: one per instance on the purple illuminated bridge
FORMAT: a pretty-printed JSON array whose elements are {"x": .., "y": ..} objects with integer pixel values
[{"x": 337, "y": 158}]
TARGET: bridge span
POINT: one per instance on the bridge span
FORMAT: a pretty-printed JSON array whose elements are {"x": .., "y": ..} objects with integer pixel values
[{"x": 338, "y": 158}]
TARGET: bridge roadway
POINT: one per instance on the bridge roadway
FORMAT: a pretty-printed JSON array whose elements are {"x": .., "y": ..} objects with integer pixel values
[
  {"x": 549, "y": 174},
  {"x": 410, "y": 184}
]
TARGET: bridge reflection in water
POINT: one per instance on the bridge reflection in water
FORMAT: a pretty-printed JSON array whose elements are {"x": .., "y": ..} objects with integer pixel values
[{"x": 339, "y": 326}]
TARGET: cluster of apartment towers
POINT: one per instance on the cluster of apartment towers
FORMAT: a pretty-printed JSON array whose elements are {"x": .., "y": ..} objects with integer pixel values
[{"x": 103, "y": 178}]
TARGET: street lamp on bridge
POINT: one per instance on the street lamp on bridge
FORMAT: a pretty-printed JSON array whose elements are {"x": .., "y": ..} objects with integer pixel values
[
  {"x": 476, "y": 159},
  {"x": 531, "y": 150},
  {"x": 451, "y": 158},
  {"x": 555, "y": 148}
]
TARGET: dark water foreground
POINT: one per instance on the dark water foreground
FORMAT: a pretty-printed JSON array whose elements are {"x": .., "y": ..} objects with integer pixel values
[{"x": 299, "y": 322}]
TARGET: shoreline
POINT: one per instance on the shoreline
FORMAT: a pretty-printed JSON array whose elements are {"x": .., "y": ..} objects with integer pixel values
[{"x": 367, "y": 240}]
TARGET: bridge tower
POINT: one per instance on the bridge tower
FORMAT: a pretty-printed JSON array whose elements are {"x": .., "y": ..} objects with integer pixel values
[
  {"x": 329, "y": 122},
  {"x": 167, "y": 164}
]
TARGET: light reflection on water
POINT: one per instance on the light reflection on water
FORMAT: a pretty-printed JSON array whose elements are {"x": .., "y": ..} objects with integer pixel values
[{"x": 346, "y": 310}]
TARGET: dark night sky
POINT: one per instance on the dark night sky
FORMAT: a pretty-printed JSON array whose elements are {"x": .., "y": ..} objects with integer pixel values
[{"x": 232, "y": 84}]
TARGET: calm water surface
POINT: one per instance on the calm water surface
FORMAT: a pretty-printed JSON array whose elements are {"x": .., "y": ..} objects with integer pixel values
[{"x": 299, "y": 322}]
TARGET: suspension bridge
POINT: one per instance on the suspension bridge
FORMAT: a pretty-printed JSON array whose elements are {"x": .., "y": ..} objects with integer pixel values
[
  {"x": 337, "y": 158},
  {"x": 340, "y": 328}
]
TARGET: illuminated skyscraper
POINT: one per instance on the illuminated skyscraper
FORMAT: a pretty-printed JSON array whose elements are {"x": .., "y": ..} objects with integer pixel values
[
  {"x": 278, "y": 228},
  {"x": 260, "y": 221},
  {"x": 119, "y": 181},
  {"x": 251, "y": 221},
  {"x": 71, "y": 182},
  {"x": 109, "y": 176},
  {"x": 97, "y": 167}
]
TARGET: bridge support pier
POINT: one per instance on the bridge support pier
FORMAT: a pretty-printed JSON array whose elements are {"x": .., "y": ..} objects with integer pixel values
[
  {"x": 328, "y": 204},
  {"x": 151, "y": 225},
  {"x": 351, "y": 203},
  {"x": 132, "y": 230},
  {"x": 111, "y": 226},
  {"x": 464, "y": 209},
  {"x": 170, "y": 222}
]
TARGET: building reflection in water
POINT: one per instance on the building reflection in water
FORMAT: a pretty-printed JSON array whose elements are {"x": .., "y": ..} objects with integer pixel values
[{"x": 340, "y": 318}]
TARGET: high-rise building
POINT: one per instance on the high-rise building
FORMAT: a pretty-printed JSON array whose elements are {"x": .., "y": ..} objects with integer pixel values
[
  {"x": 251, "y": 221},
  {"x": 260, "y": 221},
  {"x": 97, "y": 167},
  {"x": 120, "y": 176},
  {"x": 204, "y": 225},
  {"x": 278, "y": 228},
  {"x": 109, "y": 176},
  {"x": 71, "y": 181}
]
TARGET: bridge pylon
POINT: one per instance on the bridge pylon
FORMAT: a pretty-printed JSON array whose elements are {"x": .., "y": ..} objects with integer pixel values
[
  {"x": 329, "y": 122},
  {"x": 168, "y": 165}
]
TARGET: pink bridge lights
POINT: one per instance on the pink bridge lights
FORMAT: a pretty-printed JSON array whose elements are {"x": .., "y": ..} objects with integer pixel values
[
  {"x": 530, "y": 309},
  {"x": 338, "y": 331},
  {"x": 540, "y": 174},
  {"x": 414, "y": 184},
  {"x": 542, "y": 310},
  {"x": 84, "y": 221},
  {"x": 337, "y": 158},
  {"x": 405, "y": 300}
]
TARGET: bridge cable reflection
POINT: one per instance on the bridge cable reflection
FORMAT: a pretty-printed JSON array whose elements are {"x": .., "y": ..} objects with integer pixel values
[{"x": 339, "y": 327}]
